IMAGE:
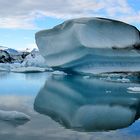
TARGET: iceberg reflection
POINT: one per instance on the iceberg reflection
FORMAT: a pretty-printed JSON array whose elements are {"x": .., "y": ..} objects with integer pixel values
[{"x": 88, "y": 104}]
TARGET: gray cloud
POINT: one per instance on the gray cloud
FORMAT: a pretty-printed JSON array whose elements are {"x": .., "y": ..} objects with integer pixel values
[{"x": 21, "y": 14}]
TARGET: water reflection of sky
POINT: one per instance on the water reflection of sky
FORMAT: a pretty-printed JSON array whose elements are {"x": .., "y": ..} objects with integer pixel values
[
  {"x": 22, "y": 84},
  {"x": 18, "y": 91}
]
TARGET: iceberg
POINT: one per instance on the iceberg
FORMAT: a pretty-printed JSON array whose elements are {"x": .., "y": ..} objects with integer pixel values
[
  {"x": 33, "y": 62},
  {"x": 88, "y": 105},
  {"x": 91, "y": 45},
  {"x": 58, "y": 73},
  {"x": 14, "y": 117},
  {"x": 34, "y": 59}
]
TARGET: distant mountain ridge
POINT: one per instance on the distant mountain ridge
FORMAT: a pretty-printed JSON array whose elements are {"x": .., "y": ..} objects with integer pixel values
[{"x": 22, "y": 61}]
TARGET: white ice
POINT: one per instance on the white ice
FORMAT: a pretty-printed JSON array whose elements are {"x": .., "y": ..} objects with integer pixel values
[
  {"x": 91, "y": 45},
  {"x": 134, "y": 89},
  {"x": 13, "y": 116}
]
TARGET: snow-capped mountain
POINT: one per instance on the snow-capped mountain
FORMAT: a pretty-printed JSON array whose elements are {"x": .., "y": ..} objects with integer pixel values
[{"x": 22, "y": 61}]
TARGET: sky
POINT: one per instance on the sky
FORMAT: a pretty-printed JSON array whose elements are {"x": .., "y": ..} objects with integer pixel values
[{"x": 21, "y": 19}]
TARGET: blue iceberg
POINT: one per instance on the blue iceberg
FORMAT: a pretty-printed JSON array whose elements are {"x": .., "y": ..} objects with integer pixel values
[{"x": 91, "y": 45}]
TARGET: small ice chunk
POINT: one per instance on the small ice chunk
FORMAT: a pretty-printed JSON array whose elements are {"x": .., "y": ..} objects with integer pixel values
[
  {"x": 28, "y": 69},
  {"x": 14, "y": 117},
  {"x": 59, "y": 73},
  {"x": 123, "y": 80},
  {"x": 86, "y": 77},
  {"x": 134, "y": 89},
  {"x": 108, "y": 91}
]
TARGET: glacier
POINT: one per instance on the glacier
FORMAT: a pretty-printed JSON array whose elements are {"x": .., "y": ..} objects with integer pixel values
[
  {"x": 88, "y": 104},
  {"x": 91, "y": 45}
]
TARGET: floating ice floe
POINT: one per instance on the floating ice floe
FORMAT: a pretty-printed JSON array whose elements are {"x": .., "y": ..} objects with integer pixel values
[
  {"x": 86, "y": 77},
  {"x": 134, "y": 89},
  {"x": 14, "y": 117},
  {"x": 28, "y": 69},
  {"x": 4, "y": 67},
  {"x": 123, "y": 80},
  {"x": 57, "y": 72},
  {"x": 91, "y": 45}
]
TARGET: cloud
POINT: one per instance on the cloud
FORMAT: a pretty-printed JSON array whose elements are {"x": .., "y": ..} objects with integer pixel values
[
  {"x": 22, "y": 14},
  {"x": 16, "y": 23},
  {"x": 31, "y": 46}
]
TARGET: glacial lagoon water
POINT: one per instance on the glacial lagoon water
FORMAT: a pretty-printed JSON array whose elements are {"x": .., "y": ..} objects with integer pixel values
[{"x": 70, "y": 107}]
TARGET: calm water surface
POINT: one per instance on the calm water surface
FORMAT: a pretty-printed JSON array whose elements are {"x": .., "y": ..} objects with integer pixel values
[{"x": 52, "y": 101}]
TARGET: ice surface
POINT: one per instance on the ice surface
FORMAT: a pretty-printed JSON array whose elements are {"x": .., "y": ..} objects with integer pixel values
[
  {"x": 4, "y": 67},
  {"x": 28, "y": 69},
  {"x": 88, "y": 104},
  {"x": 91, "y": 45}
]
